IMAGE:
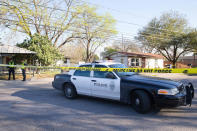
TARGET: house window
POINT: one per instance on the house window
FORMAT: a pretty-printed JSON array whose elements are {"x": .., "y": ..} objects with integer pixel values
[
  {"x": 156, "y": 63},
  {"x": 66, "y": 61},
  {"x": 135, "y": 62},
  {"x": 1, "y": 59}
]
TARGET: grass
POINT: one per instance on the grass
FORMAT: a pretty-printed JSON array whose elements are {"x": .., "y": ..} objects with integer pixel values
[{"x": 19, "y": 76}]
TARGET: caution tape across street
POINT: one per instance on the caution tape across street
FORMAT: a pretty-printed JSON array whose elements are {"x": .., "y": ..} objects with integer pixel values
[{"x": 138, "y": 70}]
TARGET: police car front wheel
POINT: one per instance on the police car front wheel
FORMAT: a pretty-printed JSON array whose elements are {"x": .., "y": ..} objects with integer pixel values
[
  {"x": 70, "y": 91},
  {"x": 140, "y": 101}
]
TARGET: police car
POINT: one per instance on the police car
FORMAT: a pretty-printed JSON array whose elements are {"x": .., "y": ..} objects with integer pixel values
[{"x": 142, "y": 92}]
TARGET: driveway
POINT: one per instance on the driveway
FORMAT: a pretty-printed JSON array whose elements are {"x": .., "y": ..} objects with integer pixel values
[{"x": 36, "y": 106}]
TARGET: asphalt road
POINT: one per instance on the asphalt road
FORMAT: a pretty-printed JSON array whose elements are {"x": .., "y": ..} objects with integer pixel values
[{"x": 36, "y": 106}]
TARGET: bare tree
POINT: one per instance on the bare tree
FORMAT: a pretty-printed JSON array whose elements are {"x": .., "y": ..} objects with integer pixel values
[
  {"x": 126, "y": 46},
  {"x": 74, "y": 51}
]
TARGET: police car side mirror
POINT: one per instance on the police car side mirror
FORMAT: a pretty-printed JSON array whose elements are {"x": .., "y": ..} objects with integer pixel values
[{"x": 110, "y": 75}]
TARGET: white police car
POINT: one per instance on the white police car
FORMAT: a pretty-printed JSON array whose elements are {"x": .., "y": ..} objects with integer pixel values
[{"x": 141, "y": 92}]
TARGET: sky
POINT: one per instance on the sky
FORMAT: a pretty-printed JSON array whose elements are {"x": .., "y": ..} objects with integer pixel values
[
  {"x": 140, "y": 12},
  {"x": 133, "y": 15},
  {"x": 128, "y": 13}
]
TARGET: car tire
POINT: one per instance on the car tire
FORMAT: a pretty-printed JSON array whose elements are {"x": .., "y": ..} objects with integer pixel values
[
  {"x": 70, "y": 91},
  {"x": 141, "y": 101}
]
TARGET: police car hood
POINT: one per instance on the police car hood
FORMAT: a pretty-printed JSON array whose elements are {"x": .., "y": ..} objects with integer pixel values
[{"x": 151, "y": 80}]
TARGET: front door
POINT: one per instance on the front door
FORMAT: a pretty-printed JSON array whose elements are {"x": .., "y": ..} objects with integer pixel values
[
  {"x": 105, "y": 84},
  {"x": 81, "y": 80}
]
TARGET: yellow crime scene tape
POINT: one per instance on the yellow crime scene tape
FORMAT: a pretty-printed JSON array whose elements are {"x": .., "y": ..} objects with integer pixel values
[{"x": 138, "y": 70}]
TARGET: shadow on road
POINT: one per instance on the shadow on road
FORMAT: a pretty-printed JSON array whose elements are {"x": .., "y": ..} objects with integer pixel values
[
  {"x": 85, "y": 103},
  {"x": 97, "y": 110}
]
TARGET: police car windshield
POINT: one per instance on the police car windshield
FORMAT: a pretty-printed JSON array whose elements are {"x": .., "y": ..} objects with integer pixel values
[{"x": 121, "y": 73}]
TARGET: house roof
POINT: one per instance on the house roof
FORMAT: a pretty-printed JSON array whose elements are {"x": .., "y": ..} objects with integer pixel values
[
  {"x": 187, "y": 57},
  {"x": 8, "y": 49},
  {"x": 139, "y": 54}
]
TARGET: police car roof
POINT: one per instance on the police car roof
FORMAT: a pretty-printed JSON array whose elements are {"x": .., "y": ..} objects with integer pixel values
[
  {"x": 109, "y": 63},
  {"x": 101, "y": 63}
]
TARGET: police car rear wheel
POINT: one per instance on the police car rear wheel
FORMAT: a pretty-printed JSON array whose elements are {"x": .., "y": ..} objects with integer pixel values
[
  {"x": 70, "y": 91},
  {"x": 141, "y": 101}
]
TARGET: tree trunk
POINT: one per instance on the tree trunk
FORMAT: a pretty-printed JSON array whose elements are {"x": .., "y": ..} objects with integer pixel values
[
  {"x": 87, "y": 55},
  {"x": 87, "y": 52},
  {"x": 173, "y": 64}
]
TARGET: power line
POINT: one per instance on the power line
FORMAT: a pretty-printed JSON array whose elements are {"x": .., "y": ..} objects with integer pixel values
[
  {"x": 66, "y": 31},
  {"x": 34, "y": 24},
  {"x": 75, "y": 27},
  {"x": 111, "y": 37},
  {"x": 115, "y": 10},
  {"x": 38, "y": 5},
  {"x": 43, "y": 25},
  {"x": 129, "y": 23},
  {"x": 72, "y": 31},
  {"x": 126, "y": 22}
]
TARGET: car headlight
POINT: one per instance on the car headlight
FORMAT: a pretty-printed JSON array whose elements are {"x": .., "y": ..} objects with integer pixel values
[{"x": 172, "y": 91}]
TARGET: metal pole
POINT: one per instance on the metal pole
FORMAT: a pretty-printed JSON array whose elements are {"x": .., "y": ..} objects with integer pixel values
[
  {"x": 194, "y": 59},
  {"x": 122, "y": 43}
]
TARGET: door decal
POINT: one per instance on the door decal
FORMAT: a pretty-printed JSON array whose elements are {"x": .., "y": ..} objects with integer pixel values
[
  {"x": 112, "y": 85},
  {"x": 100, "y": 84}
]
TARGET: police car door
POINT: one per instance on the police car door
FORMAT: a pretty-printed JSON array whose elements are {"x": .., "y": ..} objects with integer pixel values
[
  {"x": 105, "y": 84},
  {"x": 81, "y": 80}
]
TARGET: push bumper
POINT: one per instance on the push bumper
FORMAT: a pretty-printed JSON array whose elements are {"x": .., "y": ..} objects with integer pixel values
[
  {"x": 171, "y": 101},
  {"x": 56, "y": 85},
  {"x": 53, "y": 84},
  {"x": 180, "y": 99}
]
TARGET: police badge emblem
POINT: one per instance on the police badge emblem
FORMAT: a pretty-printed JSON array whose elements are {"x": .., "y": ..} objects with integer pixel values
[{"x": 112, "y": 85}]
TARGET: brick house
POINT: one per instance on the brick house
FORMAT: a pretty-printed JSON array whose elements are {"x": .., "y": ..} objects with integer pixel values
[
  {"x": 188, "y": 60},
  {"x": 8, "y": 51},
  {"x": 137, "y": 59}
]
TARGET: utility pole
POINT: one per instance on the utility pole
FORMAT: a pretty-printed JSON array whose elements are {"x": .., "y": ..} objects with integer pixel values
[
  {"x": 122, "y": 43},
  {"x": 194, "y": 60}
]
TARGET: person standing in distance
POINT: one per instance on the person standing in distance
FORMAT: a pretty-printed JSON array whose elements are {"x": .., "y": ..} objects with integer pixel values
[
  {"x": 23, "y": 68},
  {"x": 11, "y": 69}
]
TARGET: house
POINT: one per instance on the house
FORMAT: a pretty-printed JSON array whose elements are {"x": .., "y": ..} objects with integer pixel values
[
  {"x": 141, "y": 60},
  {"x": 189, "y": 60},
  {"x": 7, "y": 51},
  {"x": 64, "y": 62}
]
